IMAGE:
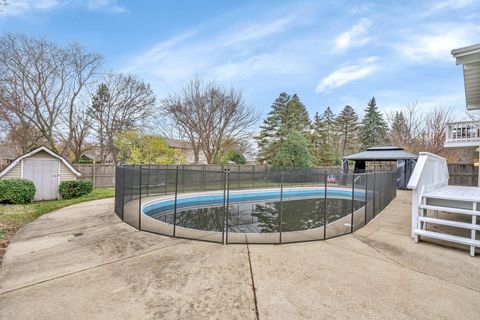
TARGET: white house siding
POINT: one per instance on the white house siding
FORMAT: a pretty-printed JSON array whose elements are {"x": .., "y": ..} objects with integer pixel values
[
  {"x": 41, "y": 155},
  {"x": 65, "y": 173},
  {"x": 14, "y": 173}
]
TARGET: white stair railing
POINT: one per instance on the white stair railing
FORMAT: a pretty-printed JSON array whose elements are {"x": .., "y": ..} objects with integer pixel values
[{"x": 431, "y": 172}]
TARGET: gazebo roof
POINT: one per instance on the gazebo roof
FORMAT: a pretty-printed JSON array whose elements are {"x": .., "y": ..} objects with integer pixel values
[{"x": 382, "y": 153}]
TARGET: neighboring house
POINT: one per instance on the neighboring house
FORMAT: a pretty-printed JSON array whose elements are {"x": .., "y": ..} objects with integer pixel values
[
  {"x": 7, "y": 155},
  {"x": 186, "y": 149},
  {"x": 44, "y": 168},
  {"x": 94, "y": 155}
]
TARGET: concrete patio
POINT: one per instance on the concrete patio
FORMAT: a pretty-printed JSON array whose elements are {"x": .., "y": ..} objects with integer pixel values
[{"x": 82, "y": 262}]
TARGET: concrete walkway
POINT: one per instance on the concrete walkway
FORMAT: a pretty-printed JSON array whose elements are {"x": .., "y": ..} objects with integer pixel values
[{"x": 81, "y": 262}]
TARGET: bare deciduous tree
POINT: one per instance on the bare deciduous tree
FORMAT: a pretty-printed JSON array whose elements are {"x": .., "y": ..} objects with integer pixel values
[
  {"x": 420, "y": 131},
  {"x": 19, "y": 131},
  {"x": 80, "y": 131},
  {"x": 122, "y": 102},
  {"x": 211, "y": 117},
  {"x": 50, "y": 79}
]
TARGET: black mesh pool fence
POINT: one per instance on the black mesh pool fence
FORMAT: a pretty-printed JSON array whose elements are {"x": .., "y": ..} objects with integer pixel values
[{"x": 234, "y": 205}]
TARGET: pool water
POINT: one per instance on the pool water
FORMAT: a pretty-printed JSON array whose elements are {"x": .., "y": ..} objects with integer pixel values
[{"x": 262, "y": 216}]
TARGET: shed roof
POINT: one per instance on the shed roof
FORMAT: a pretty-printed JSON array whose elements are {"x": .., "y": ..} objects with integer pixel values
[
  {"x": 382, "y": 153},
  {"x": 34, "y": 151}
]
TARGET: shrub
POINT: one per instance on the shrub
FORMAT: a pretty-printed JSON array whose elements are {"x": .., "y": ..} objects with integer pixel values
[
  {"x": 16, "y": 191},
  {"x": 293, "y": 153},
  {"x": 234, "y": 156},
  {"x": 75, "y": 188}
]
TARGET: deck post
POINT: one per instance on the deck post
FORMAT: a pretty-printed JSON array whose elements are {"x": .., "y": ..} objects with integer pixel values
[{"x": 473, "y": 232}]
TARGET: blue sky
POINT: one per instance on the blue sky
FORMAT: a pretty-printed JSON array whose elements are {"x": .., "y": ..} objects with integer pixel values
[{"x": 331, "y": 53}]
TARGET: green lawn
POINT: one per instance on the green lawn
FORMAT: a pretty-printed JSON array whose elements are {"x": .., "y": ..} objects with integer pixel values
[{"x": 13, "y": 217}]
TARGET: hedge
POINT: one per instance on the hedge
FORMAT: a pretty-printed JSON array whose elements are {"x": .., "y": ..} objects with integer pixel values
[
  {"x": 75, "y": 188},
  {"x": 16, "y": 191}
]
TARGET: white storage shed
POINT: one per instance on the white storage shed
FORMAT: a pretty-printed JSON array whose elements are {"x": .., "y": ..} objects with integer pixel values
[{"x": 44, "y": 168}]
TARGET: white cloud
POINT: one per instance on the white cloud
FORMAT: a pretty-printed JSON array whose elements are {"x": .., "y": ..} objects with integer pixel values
[
  {"x": 437, "y": 41},
  {"x": 106, "y": 5},
  {"x": 355, "y": 37},
  {"x": 259, "y": 30},
  {"x": 348, "y": 72},
  {"x": 447, "y": 5},
  {"x": 21, "y": 7},
  {"x": 245, "y": 52}
]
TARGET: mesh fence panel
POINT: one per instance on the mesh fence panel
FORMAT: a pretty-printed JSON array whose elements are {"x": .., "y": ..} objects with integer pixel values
[{"x": 254, "y": 204}]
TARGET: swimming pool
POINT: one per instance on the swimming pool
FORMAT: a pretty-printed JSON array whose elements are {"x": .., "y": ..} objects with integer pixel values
[{"x": 261, "y": 214}]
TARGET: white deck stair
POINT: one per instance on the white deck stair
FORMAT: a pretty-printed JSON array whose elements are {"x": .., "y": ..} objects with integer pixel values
[{"x": 431, "y": 192}]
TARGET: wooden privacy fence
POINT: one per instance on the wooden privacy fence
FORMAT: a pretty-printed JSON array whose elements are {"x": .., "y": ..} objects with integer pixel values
[
  {"x": 103, "y": 175},
  {"x": 463, "y": 174}
]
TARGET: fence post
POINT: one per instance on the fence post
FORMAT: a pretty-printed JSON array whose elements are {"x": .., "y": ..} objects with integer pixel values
[
  {"x": 253, "y": 177},
  {"x": 183, "y": 178},
  {"x": 93, "y": 174},
  {"x": 353, "y": 204},
  {"x": 175, "y": 203},
  {"x": 374, "y": 191},
  {"x": 224, "y": 184},
  {"x": 148, "y": 181},
  {"x": 325, "y": 208},
  {"x": 266, "y": 177},
  {"x": 280, "y": 226},
  {"x": 228, "y": 204},
  {"x": 123, "y": 192},
  {"x": 166, "y": 179},
  {"x": 140, "y": 201},
  {"x": 366, "y": 196}
]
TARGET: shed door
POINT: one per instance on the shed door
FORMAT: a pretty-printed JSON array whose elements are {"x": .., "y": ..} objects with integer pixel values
[{"x": 44, "y": 174}]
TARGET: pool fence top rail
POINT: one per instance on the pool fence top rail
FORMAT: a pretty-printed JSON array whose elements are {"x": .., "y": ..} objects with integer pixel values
[{"x": 364, "y": 196}]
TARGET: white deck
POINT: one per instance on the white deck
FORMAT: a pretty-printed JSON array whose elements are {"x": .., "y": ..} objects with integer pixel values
[{"x": 455, "y": 193}]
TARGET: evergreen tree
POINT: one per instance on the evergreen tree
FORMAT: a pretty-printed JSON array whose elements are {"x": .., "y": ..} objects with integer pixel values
[
  {"x": 329, "y": 151},
  {"x": 294, "y": 117},
  {"x": 294, "y": 152},
  {"x": 329, "y": 120},
  {"x": 268, "y": 138},
  {"x": 374, "y": 128},
  {"x": 98, "y": 111},
  {"x": 288, "y": 114},
  {"x": 400, "y": 133},
  {"x": 318, "y": 134},
  {"x": 347, "y": 127}
]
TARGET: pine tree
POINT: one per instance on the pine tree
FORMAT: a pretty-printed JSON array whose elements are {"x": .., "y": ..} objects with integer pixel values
[
  {"x": 329, "y": 120},
  {"x": 288, "y": 114},
  {"x": 294, "y": 117},
  {"x": 400, "y": 133},
  {"x": 268, "y": 138},
  {"x": 374, "y": 128},
  {"x": 347, "y": 127},
  {"x": 97, "y": 111}
]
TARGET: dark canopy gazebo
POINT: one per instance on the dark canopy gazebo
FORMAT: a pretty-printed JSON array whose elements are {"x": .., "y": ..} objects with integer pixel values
[{"x": 384, "y": 158}]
